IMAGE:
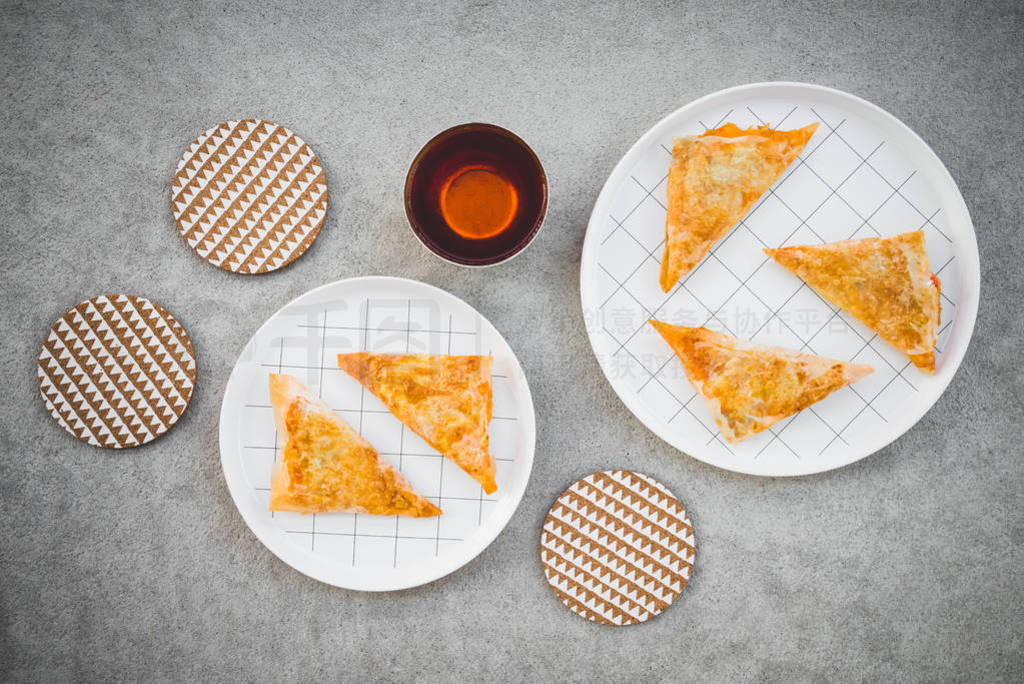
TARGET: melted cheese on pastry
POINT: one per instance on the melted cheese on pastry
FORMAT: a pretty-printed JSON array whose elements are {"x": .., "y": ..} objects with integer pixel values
[
  {"x": 749, "y": 387},
  {"x": 886, "y": 283},
  {"x": 325, "y": 465},
  {"x": 713, "y": 181},
  {"x": 446, "y": 400}
]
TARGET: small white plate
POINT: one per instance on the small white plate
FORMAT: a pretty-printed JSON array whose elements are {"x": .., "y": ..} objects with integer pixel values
[
  {"x": 375, "y": 553},
  {"x": 864, "y": 173}
]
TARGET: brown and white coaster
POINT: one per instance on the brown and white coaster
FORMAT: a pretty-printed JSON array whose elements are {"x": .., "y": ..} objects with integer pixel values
[
  {"x": 116, "y": 371},
  {"x": 249, "y": 196},
  {"x": 617, "y": 547}
]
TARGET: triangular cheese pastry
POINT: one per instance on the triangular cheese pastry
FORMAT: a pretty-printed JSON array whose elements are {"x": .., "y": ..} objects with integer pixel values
[
  {"x": 713, "y": 181},
  {"x": 326, "y": 466},
  {"x": 886, "y": 283},
  {"x": 446, "y": 400},
  {"x": 749, "y": 387}
]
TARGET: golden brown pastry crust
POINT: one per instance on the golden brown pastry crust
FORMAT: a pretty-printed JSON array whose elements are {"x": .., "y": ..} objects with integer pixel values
[
  {"x": 749, "y": 387},
  {"x": 886, "y": 283},
  {"x": 446, "y": 400},
  {"x": 327, "y": 466},
  {"x": 713, "y": 180}
]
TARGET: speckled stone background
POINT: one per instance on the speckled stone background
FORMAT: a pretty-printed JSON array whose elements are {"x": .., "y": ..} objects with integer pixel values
[{"x": 136, "y": 565}]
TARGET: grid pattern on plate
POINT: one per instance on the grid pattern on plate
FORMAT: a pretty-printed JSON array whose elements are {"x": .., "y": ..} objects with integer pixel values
[
  {"x": 846, "y": 185},
  {"x": 306, "y": 350}
]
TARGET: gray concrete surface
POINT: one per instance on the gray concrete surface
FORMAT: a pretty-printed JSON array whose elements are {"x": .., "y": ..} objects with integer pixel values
[{"x": 136, "y": 565}]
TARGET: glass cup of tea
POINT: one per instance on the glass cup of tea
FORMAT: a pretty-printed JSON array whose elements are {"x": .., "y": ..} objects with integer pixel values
[{"x": 476, "y": 195}]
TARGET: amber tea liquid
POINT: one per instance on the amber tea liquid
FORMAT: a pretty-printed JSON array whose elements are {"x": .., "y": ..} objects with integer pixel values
[{"x": 476, "y": 195}]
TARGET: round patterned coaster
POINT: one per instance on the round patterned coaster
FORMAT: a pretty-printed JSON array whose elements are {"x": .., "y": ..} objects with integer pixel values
[
  {"x": 116, "y": 371},
  {"x": 617, "y": 547},
  {"x": 249, "y": 196}
]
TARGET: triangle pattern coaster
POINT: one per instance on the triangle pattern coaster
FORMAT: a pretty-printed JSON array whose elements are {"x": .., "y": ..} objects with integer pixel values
[
  {"x": 446, "y": 400},
  {"x": 116, "y": 371},
  {"x": 326, "y": 466},
  {"x": 749, "y": 387},
  {"x": 885, "y": 282},
  {"x": 249, "y": 196},
  {"x": 617, "y": 547},
  {"x": 713, "y": 181}
]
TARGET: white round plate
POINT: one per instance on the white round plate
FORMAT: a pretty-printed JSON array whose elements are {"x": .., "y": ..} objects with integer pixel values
[
  {"x": 365, "y": 552},
  {"x": 864, "y": 173}
]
